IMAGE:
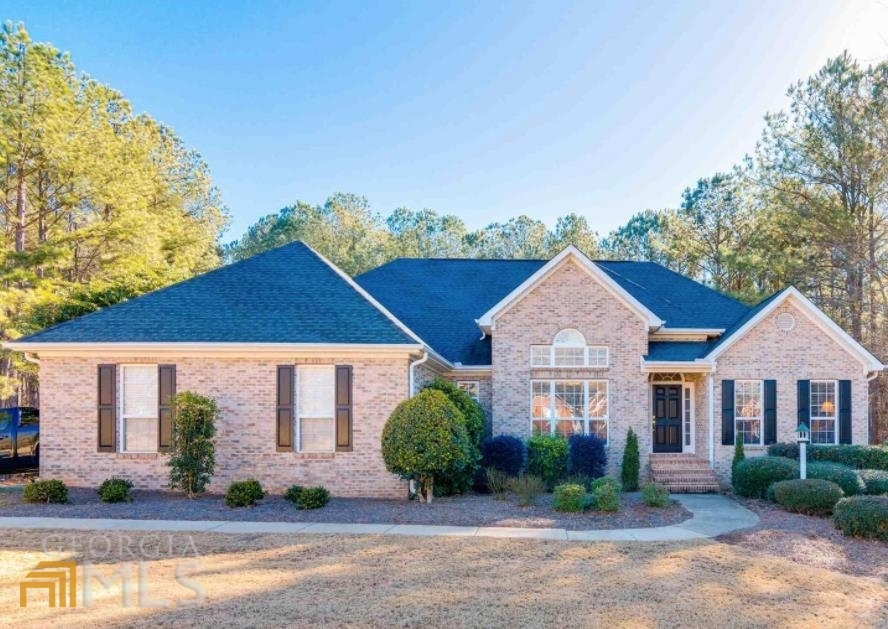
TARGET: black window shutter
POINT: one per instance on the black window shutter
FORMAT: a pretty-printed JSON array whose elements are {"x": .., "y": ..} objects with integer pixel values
[
  {"x": 343, "y": 408},
  {"x": 845, "y": 411},
  {"x": 286, "y": 404},
  {"x": 727, "y": 412},
  {"x": 107, "y": 408},
  {"x": 166, "y": 385},
  {"x": 804, "y": 402},
  {"x": 770, "y": 409}
]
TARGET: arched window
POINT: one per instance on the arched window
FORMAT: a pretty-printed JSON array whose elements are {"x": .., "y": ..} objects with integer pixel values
[{"x": 568, "y": 349}]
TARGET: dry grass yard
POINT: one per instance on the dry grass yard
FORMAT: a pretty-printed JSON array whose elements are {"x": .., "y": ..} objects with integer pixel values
[{"x": 309, "y": 581}]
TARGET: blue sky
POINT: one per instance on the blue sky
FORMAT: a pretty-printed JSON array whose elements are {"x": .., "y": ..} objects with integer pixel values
[{"x": 486, "y": 110}]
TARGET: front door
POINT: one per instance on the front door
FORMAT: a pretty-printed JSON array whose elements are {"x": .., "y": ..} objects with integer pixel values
[{"x": 667, "y": 418}]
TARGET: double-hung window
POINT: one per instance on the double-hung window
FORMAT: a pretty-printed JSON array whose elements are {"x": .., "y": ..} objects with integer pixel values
[
  {"x": 569, "y": 407},
  {"x": 316, "y": 428},
  {"x": 823, "y": 411},
  {"x": 138, "y": 417},
  {"x": 748, "y": 398}
]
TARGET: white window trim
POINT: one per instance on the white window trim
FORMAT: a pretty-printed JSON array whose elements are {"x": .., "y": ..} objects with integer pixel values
[
  {"x": 475, "y": 383},
  {"x": 298, "y": 411},
  {"x": 121, "y": 418},
  {"x": 552, "y": 363},
  {"x": 586, "y": 419},
  {"x": 761, "y": 415},
  {"x": 835, "y": 415},
  {"x": 688, "y": 389}
]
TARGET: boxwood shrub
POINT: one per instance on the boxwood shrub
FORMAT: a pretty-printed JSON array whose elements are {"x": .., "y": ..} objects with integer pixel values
[
  {"x": 876, "y": 481},
  {"x": 752, "y": 476},
  {"x": 307, "y": 497},
  {"x": 547, "y": 458},
  {"x": 786, "y": 450},
  {"x": 842, "y": 475},
  {"x": 569, "y": 498},
  {"x": 504, "y": 453},
  {"x": 811, "y": 496},
  {"x": 858, "y": 457},
  {"x": 244, "y": 493},
  {"x": 863, "y": 516},
  {"x": 115, "y": 490},
  {"x": 655, "y": 495},
  {"x": 605, "y": 494},
  {"x": 587, "y": 456},
  {"x": 50, "y": 490}
]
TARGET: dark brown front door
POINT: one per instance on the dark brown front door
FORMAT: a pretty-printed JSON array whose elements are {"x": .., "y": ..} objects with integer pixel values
[{"x": 667, "y": 418}]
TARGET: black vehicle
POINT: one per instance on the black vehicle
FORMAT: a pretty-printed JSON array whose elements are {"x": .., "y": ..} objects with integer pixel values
[{"x": 19, "y": 437}]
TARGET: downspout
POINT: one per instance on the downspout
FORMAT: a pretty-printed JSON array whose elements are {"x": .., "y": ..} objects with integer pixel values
[
  {"x": 412, "y": 372},
  {"x": 712, "y": 418}
]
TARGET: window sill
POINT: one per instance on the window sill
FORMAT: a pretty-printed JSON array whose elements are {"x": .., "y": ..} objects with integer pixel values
[
  {"x": 147, "y": 456},
  {"x": 314, "y": 455}
]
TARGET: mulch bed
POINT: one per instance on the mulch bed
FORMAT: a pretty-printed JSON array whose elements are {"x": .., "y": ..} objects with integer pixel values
[
  {"x": 465, "y": 510},
  {"x": 809, "y": 541}
]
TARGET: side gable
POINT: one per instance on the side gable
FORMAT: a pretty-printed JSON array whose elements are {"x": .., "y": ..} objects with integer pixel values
[
  {"x": 792, "y": 296},
  {"x": 486, "y": 321}
]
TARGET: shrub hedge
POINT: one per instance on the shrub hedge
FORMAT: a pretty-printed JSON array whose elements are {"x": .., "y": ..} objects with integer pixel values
[
  {"x": 863, "y": 516},
  {"x": 876, "y": 481},
  {"x": 752, "y": 476},
  {"x": 569, "y": 498},
  {"x": 244, "y": 493},
  {"x": 842, "y": 475},
  {"x": 858, "y": 457},
  {"x": 49, "y": 490},
  {"x": 587, "y": 456},
  {"x": 811, "y": 496},
  {"x": 504, "y": 453},
  {"x": 547, "y": 458},
  {"x": 115, "y": 490}
]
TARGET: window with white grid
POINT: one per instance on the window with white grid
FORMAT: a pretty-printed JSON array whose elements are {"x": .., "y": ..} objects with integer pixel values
[
  {"x": 823, "y": 411},
  {"x": 569, "y": 349},
  {"x": 569, "y": 407},
  {"x": 748, "y": 398}
]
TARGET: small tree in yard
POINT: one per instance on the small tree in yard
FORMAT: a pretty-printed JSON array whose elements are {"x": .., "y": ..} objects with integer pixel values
[
  {"x": 460, "y": 480},
  {"x": 424, "y": 438},
  {"x": 193, "y": 453},
  {"x": 631, "y": 462}
]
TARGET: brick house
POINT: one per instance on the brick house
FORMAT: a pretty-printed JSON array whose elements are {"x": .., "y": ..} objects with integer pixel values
[{"x": 307, "y": 364}]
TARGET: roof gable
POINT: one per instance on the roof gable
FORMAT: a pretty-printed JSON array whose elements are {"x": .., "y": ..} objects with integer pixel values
[
  {"x": 288, "y": 295},
  {"x": 486, "y": 320}
]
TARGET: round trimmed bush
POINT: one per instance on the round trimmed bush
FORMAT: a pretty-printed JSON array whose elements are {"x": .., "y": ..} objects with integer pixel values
[
  {"x": 504, "y": 453},
  {"x": 426, "y": 438},
  {"x": 461, "y": 478},
  {"x": 586, "y": 456},
  {"x": 842, "y": 475},
  {"x": 811, "y": 496},
  {"x": 752, "y": 477},
  {"x": 606, "y": 494},
  {"x": 244, "y": 493},
  {"x": 876, "y": 481},
  {"x": 863, "y": 516},
  {"x": 569, "y": 498},
  {"x": 50, "y": 490},
  {"x": 293, "y": 493},
  {"x": 655, "y": 495},
  {"x": 115, "y": 490},
  {"x": 547, "y": 458},
  {"x": 313, "y": 498}
]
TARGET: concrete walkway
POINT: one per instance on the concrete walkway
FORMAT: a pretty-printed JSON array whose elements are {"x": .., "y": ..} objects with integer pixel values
[{"x": 712, "y": 515}]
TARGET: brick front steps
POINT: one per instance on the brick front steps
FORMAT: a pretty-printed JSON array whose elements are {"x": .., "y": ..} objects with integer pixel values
[{"x": 683, "y": 473}]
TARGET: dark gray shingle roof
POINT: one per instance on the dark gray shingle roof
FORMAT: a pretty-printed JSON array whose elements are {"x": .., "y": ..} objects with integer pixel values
[{"x": 286, "y": 295}]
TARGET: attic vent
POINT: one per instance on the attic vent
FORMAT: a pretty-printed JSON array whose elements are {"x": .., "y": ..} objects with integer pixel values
[{"x": 785, "y": 322}]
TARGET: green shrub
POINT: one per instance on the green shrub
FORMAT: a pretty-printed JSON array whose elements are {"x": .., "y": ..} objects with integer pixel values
[
  {"x": 461, "y": 478},
  {"x": 569, "y": 498},
  {"x": 631, "y": 464},
  {"x": 244, "y": 493},
  {"x": 527, "y": 487},
  {"x": 547, "y": 458},
  {"x": 876, "y": 481},
  {"x": 115, "y": 490},
  {"x": 578, "y": 479},
  {"x": 605, "y": 493},
  {"x": 313, "y": 498},
  {"x": 863, "y": 516},
  {"x": 426, "y": 438},
  {"x": 655, "y": 495},
  {"x": 293, "y": 493},
  {"x": 842, "y": 475},
  {"x": 753, "y": 476},
  {"x": 785, "y": 450},
  {"x": 497, "y": 481},
  {"x": 192, "y": 455},
  {"x": 858, "y": 457},
  {"x": 586, "y": 455},
  {"x": 811, "y": 496},
  {"x": 739, "y": 455},
  {"x": 49, "y": 490}
]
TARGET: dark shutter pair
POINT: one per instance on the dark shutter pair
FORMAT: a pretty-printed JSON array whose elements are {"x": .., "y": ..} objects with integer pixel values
[
  {"x": 286, "y": 408},
  {"x": 844, "y": 400},
  {"x": 769, "y": 412},
  {"x": 107, "y": 407}
]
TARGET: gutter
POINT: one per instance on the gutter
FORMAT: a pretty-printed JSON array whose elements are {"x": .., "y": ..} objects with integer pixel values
[{"x": 412, "y": 372}]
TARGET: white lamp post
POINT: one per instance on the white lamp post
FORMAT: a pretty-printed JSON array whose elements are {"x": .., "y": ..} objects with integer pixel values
[{"x": 804, "y": 437}]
